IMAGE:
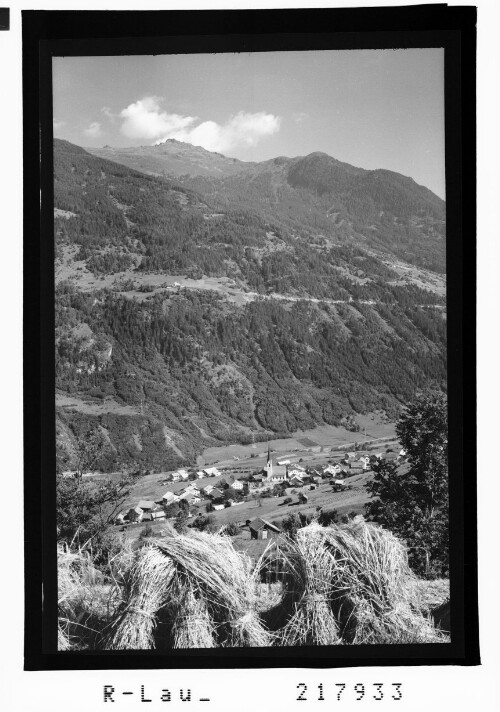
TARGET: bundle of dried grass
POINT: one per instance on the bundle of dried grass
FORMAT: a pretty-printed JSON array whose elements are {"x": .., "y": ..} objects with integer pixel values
[
  {"x": 87, "y": 600},
  {"x": 192, "y": 626},
  {"x": 148, "y": 586},
  {"x": 192, "y": 591},
  {"x": 306, "y": 570},
  {"x": 222, "y": 578},
  {"x": 346, "y": 584},
  {"x": 373, "y": 592}
]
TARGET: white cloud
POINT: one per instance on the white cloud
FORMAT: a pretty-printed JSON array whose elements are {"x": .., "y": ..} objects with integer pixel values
[
  {"x": 243, "y": 129},
  {"x": 145, "y": 119},
  {"x": 94, "y": 130},
  {"x": 58, "y": 124}
]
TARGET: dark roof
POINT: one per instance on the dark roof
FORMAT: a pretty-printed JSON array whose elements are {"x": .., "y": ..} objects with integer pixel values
[
  {"x": 146, "y": 504},
  {"x": 258, "y": 524}
]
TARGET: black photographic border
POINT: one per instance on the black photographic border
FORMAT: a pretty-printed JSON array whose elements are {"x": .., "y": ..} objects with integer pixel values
[{"x": 78, "y": 33}]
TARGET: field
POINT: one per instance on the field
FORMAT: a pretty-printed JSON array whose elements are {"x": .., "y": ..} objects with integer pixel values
[{"x": 328, "y": 437}]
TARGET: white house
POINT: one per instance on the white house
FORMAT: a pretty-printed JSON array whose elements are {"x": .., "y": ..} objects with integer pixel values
[
  {"x": 332, "y": 469},
  {"x": 169, "y": 498},
  {"x": 200, "y": 474},
  {"x": 211, "y": 472},
  {"x": 296, "y": 470},
  {"x": 208, "y": 489},
  {"x": 283, "y": 462},
  {"x": 237, "y": 485},
  {"x": 218, "y": 506},
  {"x": 160, "y": 514},
  {"x": 364, "y": 462},
  {"x": 175, "y": 477}
]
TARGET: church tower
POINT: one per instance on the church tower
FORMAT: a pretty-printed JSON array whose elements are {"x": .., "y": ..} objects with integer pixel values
[{"x": 269, "y": 466}]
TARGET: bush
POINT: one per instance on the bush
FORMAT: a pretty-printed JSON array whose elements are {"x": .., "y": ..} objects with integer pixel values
[
  {"x": 146, "y": 532},
  {"x": 232, "y": 529}
]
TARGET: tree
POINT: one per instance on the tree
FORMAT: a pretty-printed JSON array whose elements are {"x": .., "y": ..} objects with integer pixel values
[
  {"x": 86, "y": 509},
  {"x": 89, "y": 449},
  {"x": 412, "y": 501},
  {"x": 180, "y": 523}
]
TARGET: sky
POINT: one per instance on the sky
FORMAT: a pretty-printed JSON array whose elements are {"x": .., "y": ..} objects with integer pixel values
[{"x": 369, "y": 108}]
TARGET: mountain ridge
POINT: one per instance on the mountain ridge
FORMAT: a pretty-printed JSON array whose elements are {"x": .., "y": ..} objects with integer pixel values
[{"x": 185, "y": 318}]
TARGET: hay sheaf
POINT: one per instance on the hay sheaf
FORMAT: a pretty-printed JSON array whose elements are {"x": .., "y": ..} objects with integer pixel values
[
  {"x": 87, "y": 600},
  {"x": 199, "y": 591},
  {"x": 347, "y": 584}
]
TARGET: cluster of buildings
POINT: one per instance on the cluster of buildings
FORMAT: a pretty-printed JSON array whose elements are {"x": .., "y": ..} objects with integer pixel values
[
  {"x": 183, "y": 475},
  {"x": 147, "y": 510},
  {"x": 295, "y": 475},
  {"x": 284, "y": 471}
]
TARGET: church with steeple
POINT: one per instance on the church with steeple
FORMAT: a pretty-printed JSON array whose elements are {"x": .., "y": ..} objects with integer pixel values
[{"x": 274, "y": 473}]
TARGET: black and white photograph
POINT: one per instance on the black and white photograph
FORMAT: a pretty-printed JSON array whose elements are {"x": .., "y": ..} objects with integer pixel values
[
  {"x": 248, "y": 424},
  {"x": 250, "y": 349}
]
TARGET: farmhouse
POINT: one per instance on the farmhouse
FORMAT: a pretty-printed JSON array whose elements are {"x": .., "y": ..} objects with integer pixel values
[
  {"x": 169, "y": 498},
  {"x": 134, "y": 514},
  {"x": 211, "y": 472},
  {"x": 147, "y": 505},
  {"x": 191, "y": 498},
  {"x": 216, "y": 493},
  {"x": 208, "y": 489},
  {"x": 296, "y": 481},
  {"x": 296, "y": 470},
  {"x": 237, "y": 485},
  {"x": 331, "y": 469},
  {"x": 262, "y": 529},
  {"x": 159, "y": 514}
]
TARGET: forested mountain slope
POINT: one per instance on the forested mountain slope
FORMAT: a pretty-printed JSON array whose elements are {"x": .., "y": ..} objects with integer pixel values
[{"x": 324, "y": 328}]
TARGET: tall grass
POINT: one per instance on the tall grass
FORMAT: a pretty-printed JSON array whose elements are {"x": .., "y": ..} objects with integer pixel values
[{"x": 87, "y": 600}]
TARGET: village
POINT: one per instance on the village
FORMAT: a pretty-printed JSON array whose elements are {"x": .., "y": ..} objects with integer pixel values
[{"x": 248, "y": 501}]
